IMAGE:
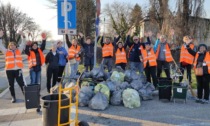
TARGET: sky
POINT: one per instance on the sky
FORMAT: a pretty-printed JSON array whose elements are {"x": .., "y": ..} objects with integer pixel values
[{"x": 47, "y": 18}]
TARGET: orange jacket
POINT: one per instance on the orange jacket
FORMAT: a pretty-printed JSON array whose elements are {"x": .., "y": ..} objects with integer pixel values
[
  {"x": 120, "y": 56},
  {"x": 185, "y": 56},
  {"x": 168, "y": 55},
  {"x": 73, "y": 51},
  {"x": 12, "y": 60},
  {"x": 32, "y": 58},
  {"x": 149, "y": 57},
  {"x": 206, "y": 60},
  {"x": 107, "y": 50}
]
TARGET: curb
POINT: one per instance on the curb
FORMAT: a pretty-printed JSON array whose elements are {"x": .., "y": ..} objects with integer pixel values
[{"x": 4, "y": 92}]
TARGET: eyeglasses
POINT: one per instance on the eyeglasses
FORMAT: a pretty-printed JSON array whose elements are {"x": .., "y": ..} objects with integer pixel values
[{"x": 135, "y": 39}]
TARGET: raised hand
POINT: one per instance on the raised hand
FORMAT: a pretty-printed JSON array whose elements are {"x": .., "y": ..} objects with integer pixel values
[
  {"x": 44, "y": 36},
  {"x": 146, "y": 34},
  {"x": 158, "y": 35},
  {"x": 129, "y": 32},
  {"x": 21, "y": 33},
  {"x": 172, "y": 32},
  {"x": 1, "y": 33},
  {"x": 150, "y": 33},
  {"x": 80, "y": 34},
  {"x": 28, "y": 43},
  {"x": 116, "y": 35}
]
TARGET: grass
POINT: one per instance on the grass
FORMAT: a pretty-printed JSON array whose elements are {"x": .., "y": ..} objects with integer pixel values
[{"x": 2, "y": 89}]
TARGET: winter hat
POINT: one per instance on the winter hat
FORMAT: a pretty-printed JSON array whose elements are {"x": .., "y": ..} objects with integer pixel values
[
  {"x": 202, "y": 45},
  {"x": 34, "y": 43},
  {"x": 147, "y": 43}
]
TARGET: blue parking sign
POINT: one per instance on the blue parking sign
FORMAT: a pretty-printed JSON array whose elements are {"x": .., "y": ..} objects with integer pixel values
[{"x": 71, "y": 10}]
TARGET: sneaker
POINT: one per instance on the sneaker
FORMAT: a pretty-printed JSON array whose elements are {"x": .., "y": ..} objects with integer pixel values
[
  {"x": 13, "y": 100},
  {"x": 198, "y": 100},
  {"x": 204, "y": 101}
]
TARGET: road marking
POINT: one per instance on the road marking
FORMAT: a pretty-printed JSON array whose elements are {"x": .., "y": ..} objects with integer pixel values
[{"x": 200, "y": 120}]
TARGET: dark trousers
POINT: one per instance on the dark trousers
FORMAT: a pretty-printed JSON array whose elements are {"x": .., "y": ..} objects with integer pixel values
[
  {"x": 88, "y": 63},
  {"x": 60, "y": 73},
  {"x": 188, "y": 67},
  {"x": 203, "y": 85},
  {"x": 88, "y": 66},
  {"x": 11, "y": 76},
  {"x": 108, "y": 62},
  {"x": 163, "y": 65},
  {"x": 151, "y": 71},
  {"x": 122, "y": 65},
  {"x": 51, "y": 72}
]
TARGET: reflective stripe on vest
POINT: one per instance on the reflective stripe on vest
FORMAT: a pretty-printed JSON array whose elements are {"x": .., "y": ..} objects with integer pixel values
[
  {"x": 73, "y": 51},
  {"x": 11, "y": 60},
  {"x": 149, "y": 57},
  {"x": 185, "y": 56},
  {"x": 120, "y": 56},
  {"x": 206, "y": 59},
  {"x": 107, "y": 50},
  {"x": 32, "y": 58},
  {"x": 168, "y": 55}
]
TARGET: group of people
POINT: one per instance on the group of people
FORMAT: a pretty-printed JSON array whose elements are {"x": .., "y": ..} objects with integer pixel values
[{"x": 141, "y": 56}]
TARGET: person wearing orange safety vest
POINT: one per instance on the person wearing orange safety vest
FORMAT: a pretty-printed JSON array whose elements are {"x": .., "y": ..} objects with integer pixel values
[
  {"x": 186, "y": 59},
  {"x": 74, "y": 56},
  {"x": 202, "y": 59},
  {"x": 107, "y": 52},
  {"x": 35, "y": 59},
  {"x": 148, "y": 58},
  {"x": 164, "y": 57},
  {"x": 13, "y": 64},
  {"x": 120, "y": 53}
]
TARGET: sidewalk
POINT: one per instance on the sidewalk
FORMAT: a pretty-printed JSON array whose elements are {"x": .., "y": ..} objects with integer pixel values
[{"x": 151, "y": 113}]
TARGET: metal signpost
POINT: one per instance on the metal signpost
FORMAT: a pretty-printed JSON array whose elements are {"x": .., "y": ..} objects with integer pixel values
[{"x": 66, "y": 21}]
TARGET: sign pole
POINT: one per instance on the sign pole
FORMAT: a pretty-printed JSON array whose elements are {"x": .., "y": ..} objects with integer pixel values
[
  {"x": 95, "y": 47},
  {"x": 67, "y": 70}
]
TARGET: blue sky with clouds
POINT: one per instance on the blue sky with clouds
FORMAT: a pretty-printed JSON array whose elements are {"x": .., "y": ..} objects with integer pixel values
[{"x": 47, "y": 18}]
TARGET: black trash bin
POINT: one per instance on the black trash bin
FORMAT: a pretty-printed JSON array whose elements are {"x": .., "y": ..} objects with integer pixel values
[
  {"x": 32, "y": 96},
  {"x": 50, "y": 110},
  {"x": 165, "y": 88}
]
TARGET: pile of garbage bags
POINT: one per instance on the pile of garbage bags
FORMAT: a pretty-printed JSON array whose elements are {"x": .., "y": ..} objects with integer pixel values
[{"x": 119, "y": 88}]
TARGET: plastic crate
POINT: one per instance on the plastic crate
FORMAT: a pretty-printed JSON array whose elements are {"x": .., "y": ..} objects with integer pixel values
[
  {"x": 165, "y": 87},
  {"x": 179, "y": 92}
]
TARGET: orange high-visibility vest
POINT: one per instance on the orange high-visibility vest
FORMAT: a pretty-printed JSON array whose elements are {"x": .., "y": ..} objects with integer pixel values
[
  {"x": 120, "y": 56},
  {"x": 73, "y": 51},
  {"x": 107, "y": 50},
  {"x": 130, "y": 50},
  {"x": 168, "y": 55},
  {"x": 13, "y": 59},
  {"x": 206, "y": 60},
  {"x": 32, "y": 58},
  {"x": 185, "y": 56},
  {"x": 149, "y": 57}
]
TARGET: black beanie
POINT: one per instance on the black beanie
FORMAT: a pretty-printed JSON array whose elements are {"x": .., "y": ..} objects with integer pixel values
[{"x": 202, "y": 45}]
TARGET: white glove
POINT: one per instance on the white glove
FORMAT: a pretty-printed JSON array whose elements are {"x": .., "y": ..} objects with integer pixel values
[{"x": 204, "y": 64}]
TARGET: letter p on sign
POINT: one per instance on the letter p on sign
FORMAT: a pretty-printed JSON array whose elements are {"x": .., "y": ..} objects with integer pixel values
[{"x": 69, "y": 8}]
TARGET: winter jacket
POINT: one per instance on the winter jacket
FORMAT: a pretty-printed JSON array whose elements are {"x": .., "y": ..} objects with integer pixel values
[
  {"x": 62, "y": 57},
  {"x": 52, "y": 60}
]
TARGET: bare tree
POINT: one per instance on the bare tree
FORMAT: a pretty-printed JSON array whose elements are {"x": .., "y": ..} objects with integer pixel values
[
  {"x": 12, "y": 20},
  {"x": 119, "y": 15}
]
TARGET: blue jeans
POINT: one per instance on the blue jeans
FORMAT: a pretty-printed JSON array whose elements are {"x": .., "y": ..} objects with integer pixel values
[
  {"x": 137, "y": 66},
  {"x": 35, "y": 76},
  {"x": 74, "y": 68}
]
